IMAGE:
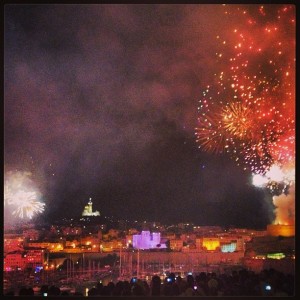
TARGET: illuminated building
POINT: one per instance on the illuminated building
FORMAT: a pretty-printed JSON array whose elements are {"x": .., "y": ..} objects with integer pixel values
[
  {"x": 170, "y": 236},
  {"x": 31, "y": 234},
  {"x": 228, "y": 247},
  {"x": 92, "y": 242},
  {"x": 211, "y": 244},
  {"x": 19, "y": 260},
  {"x": 273, "y": 247},
  {"x": 88, "y": 210},
  {"x": 276, "y": 255},
  {"x": 34, "y": 258},
  {"x": 51, "y": 246},
  {"x": 233, "y": 242},
  {"x": 72, "y": 244},
  {"x": 71, "y": 230},
  {"x": 199, "y": 243},
  {"x": 132, "y": 231},
  {"x": 146, "y": 240},
  {"x": 109, "y": 246},
  {"x": 128, "y": 240},
  {"x": 12, "y": 243},
  {"x": 188, "y": 237},
  {"x": 203, "y": 230},
  {"x": 176, "y": 244},
  {"x": 113, "y": 233},
  {"x": 14, "y": 261}
]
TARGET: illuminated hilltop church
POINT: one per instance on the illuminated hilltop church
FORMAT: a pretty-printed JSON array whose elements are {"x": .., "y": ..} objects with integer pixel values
[{"x": 88, "y": 210}]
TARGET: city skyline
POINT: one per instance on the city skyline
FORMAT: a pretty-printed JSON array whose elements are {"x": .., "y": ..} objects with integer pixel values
[{"x": 102, "y": 102}]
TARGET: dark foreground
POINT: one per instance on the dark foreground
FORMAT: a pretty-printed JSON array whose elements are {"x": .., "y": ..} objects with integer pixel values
[{"x": 239, "y": 283}]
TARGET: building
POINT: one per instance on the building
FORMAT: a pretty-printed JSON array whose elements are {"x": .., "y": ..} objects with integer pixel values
[
  {"x": 188, "y": 238},
  {"x": 228, "y": 246},
  {"x": 88, "y": 210},
  {"x": 71, "y": 230},
  {"x": 13, "y": 243},
  {"x": 231, "y": 243},
  {"x": 146, "y": 240},
  {"x": 247, "y": 232},
  {"x": 90, "y": 243},
  {"x": 51, "y": 246},
  {"x": 19, "y": 260},
  {"x": 129, "y": 238},
  {"x": 110, "y": 246},
  {"x": 263, "y": 247},
  {"x": 31, "y": 234},
  {"x": 210, "y": 244},
  {"x": 169, "y": 236},
  {"x": 34, "y": 258},
  {"x": 14, "y": 261},
  {"x": 112, "y": 234},
  {"x": 199, "y": 243},
  {"x": 72, "y": 244},
  {"x": 207, "y": 230},
  {"x": 176, "y": 244}
]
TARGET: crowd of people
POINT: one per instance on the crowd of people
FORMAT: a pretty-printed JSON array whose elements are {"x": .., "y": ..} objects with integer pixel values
[{"x": 239, "y": 283}]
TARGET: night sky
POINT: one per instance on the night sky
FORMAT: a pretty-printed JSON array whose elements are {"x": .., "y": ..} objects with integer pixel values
[{"x": 101, "y": 101}]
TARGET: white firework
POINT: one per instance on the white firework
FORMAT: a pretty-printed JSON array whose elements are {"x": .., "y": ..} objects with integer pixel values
[
  {"x": 21, "y": 195},
  {"x": 27, "y": 205}
]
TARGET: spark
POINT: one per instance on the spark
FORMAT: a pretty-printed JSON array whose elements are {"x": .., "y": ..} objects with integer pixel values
[
  {"x": 255, "y": 124},
  {"x": 248, "y": 111},
  {"x": 22, "y": 195}
]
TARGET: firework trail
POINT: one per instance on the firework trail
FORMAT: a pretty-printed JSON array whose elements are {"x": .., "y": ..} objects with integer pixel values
[
  {"x": 21, "y": 194},
  {"x": 248, "y": 109}
]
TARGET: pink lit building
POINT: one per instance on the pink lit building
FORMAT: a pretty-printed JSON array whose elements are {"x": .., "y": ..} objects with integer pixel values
[
  {"x": 13, "y": 244},
  {"x": 19, "y": 260},
  {"x": 146, "y": 240}
]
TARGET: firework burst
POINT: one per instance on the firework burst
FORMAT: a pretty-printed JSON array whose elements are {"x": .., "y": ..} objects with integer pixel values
[
  {"x": 210, "y": 133},
  {"x": 237, "y": 120},
  {"x": 255, "y": 126},
  {"x": 27, "y": 205},
  {"x": 21, "y": 194}
]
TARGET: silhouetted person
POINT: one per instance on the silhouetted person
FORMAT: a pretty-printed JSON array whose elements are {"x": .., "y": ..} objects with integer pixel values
[
  {"x": 99, "y": 287},
  {"x": 137, "y": 290},
  {"x": 190, "y": 281},
  {"x": 118, "y": 290},
  {"x": 126, "y": 288},
  {"x": 166, "y": 288},
  {"x": 65, "y": 293},
  {"x": 172, "y": 276},
  {"x": 155, "y": 285},
  {"x": 54, "y": 291},
  {"x": 23, "y": 291},
  {"x": 111, "y": 287},
  {"x": 30, "y": 291},
  {"x": 92, "y": 292},
  {"x": 213, "y": 285},
  {"x": 146, "y": 288},
  {"x": 175, "y": 291},
  {"x": 44, "y": 289},
  {"x": 105, "y": 291},
  {"x": 10, "y": 293},
  {"x": 182, "y": 285}
]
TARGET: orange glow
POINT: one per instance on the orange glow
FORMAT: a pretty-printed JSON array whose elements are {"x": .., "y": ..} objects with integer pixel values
[
  {"x": 281, "y": 230},
  {"x": 211, "y": 244}
]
